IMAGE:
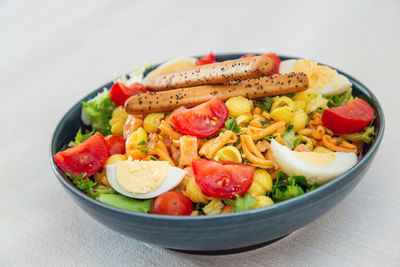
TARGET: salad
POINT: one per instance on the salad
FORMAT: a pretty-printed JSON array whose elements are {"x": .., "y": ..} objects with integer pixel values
[{"x": 199, "y": 137}]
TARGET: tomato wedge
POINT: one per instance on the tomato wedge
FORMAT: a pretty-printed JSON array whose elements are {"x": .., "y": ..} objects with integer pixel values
[
  {"x": 222, "y": 179},
  {"x": 88, "y": 156},
  {"x": 349, "y": 118},
  {"x": 203, "y": 120},
  {"x": 210, "y": 58},
  {"x": 119, "y": 92},
  {"x": 172, "y": 203},
  {"x": 277, "y": 62},
  {"x": 116, "y": 144}
]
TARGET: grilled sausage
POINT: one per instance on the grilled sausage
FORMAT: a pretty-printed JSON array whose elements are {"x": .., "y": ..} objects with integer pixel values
[
  {"x": 216, "y": 73},
  {"x": 188, "y": 97}
]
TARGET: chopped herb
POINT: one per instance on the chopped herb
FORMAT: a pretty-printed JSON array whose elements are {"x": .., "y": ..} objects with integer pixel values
[
  {"x": 310, "y": 115},
  {"x": 263, "y": 123},
  {"x": 289, "y": 127},
  {"x": 265, "y": 104},
  {"x": 84, "y": 184},
  {"x": 153, "y": 158},
  {"x": 231, "y": 125},
  {"x": 144, "y": 150},
  {"x": 339, "y": 142},
  {"x": 290, "y": 95},
  {"x": 141, "y": 143},
  {"x": 286, "y": 187},
  {"x": 320, "y": 110}
]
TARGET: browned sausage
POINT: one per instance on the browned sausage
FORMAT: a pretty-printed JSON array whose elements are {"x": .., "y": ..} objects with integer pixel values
[
  {"x": 253, "y": 88},
  {"x": 216, "y": 73}
]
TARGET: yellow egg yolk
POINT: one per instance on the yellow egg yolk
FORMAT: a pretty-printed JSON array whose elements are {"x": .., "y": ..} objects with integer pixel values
[
  {"x": 141, "y": 177},
  {"x": 318, "y": 76},
  {"x": 315, "y": 158}
]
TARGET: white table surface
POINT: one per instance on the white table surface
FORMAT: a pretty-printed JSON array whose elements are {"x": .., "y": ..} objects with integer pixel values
[{"x": 55, "y": 52}]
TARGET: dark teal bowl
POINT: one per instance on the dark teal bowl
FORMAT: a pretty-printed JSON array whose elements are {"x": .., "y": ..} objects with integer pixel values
[{"x": 226, "y": 232}]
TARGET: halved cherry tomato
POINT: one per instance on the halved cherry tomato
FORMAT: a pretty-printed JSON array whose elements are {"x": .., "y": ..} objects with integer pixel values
[
  {"x": 116, "y": 144},
  {"x": 248, "y": 55},
  {"x": 119, "y": 92},
  {"x": 172, "y": 203},
  {"x": 222, "y": 179},
  {"x": 210, "y": 58},
  {"x": 203, "y": 120},
  {"x": 277, "y": 62},
  {"x": 88, "y": 156},
  {"x": 349, "y": 118}
]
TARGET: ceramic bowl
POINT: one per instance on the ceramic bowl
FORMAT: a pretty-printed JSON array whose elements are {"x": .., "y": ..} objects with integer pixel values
[{"x": 219, "y": 233}]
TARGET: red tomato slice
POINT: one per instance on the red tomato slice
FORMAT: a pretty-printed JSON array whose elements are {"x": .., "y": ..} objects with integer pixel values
[
  {"x": 222, "y": 179},
  {"x": 172, "y": 203},
  {"x": 203, "y": 120},
  {"x": 119, "y": 92},
  {"x": 277, "y": 62},
  {"x": 349, "y": 118},
  {"x": 248, "y": 55},
  {"x": 210, "y": 58},
  {"x": 116, "y": 144},
  {"x": 88, "y": 156}
]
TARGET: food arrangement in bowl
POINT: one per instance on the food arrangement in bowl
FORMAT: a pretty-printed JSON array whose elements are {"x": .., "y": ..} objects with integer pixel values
[
  {"x": 196, "y": 137},
  {"x": 244, "y": 148}
]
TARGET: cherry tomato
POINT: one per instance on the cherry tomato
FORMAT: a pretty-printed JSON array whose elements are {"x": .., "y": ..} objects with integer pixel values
[
  {"x": 116, "y": 144},
  {"x": 222, "y": 179},
  {"x": 172, "y": 203},
  {"x": 119, "y": 92},
  {"x": 203, "y": 120},
  {"x": 88, "y": 156},
  {"x": 210, "y": 58},
  {"x": 248, "y": 55},
  {"x": 277, "y": 62},
  {"x": 349, "y": 118}
]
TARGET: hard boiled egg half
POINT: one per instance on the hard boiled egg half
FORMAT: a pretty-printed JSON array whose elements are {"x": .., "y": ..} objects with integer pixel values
[
  {"x": 143, "y": 179},
  {"x": 171, "y": 66},
  {"x": 317, "y": 167},
  {"x": 322, "y": 79}
]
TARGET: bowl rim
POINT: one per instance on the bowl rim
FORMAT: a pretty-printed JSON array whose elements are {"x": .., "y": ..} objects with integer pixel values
[{"x": 64, "y": 180}]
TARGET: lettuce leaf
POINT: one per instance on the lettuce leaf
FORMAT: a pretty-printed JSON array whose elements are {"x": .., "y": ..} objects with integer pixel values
[
  {"x": 80, "y": 138},
  {"x": 126, "y": 203},
  {"x": 99, "y": 110},
  {"x": 291, "y": 140},
  {"x": 339, "y": 100},
  {"x": 84, "y": 184},
  {"x": 241, "y": 203},
  {"x": 366, "y": 135}
]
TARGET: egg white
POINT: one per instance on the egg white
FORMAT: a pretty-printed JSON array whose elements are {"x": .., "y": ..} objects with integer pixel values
[
  {"x": 167, "y": 64},
  {"x": 339, "y": 84},
  {"x": 314, "y": 173},
  {"x": 174, "y": 177}
]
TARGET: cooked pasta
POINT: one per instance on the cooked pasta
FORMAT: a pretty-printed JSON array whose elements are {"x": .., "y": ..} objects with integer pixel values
[
  {"x": 251, "y": 153},
  {"x": 258, "y": 133},
  {"x": 188, "y": 150},
  {"x": 239, "y": 105},
  {"x": 152, "y": 121},
  {"x": 166, "y": 129},
  {"x": 262, "y": 183},
  {"x": 263, "y": 201},
  {"x": 118, "y": 119},
  {"x": 213, "y": 145},
  {"x": 194, "y": 192}
]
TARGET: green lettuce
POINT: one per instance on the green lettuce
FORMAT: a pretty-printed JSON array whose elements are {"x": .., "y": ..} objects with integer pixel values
[
  {"x": 230, "y": 124},
  {"x": 339, "y": 100},
  {"x": 265, "y": 104},
  {"x": 80, "y": 138},
  {"x": 366, "y": 135},
  {"x": 84, "y": 184},
  {"x": 291, "y": 140},
  {"x": 241, "y": 203},
  {"x": 126, "y": 203},
  {"x": 99, "y": 110}
]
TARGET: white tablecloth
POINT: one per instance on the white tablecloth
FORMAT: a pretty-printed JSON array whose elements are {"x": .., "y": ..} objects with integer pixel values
[{"x": 52, "y": 53}]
